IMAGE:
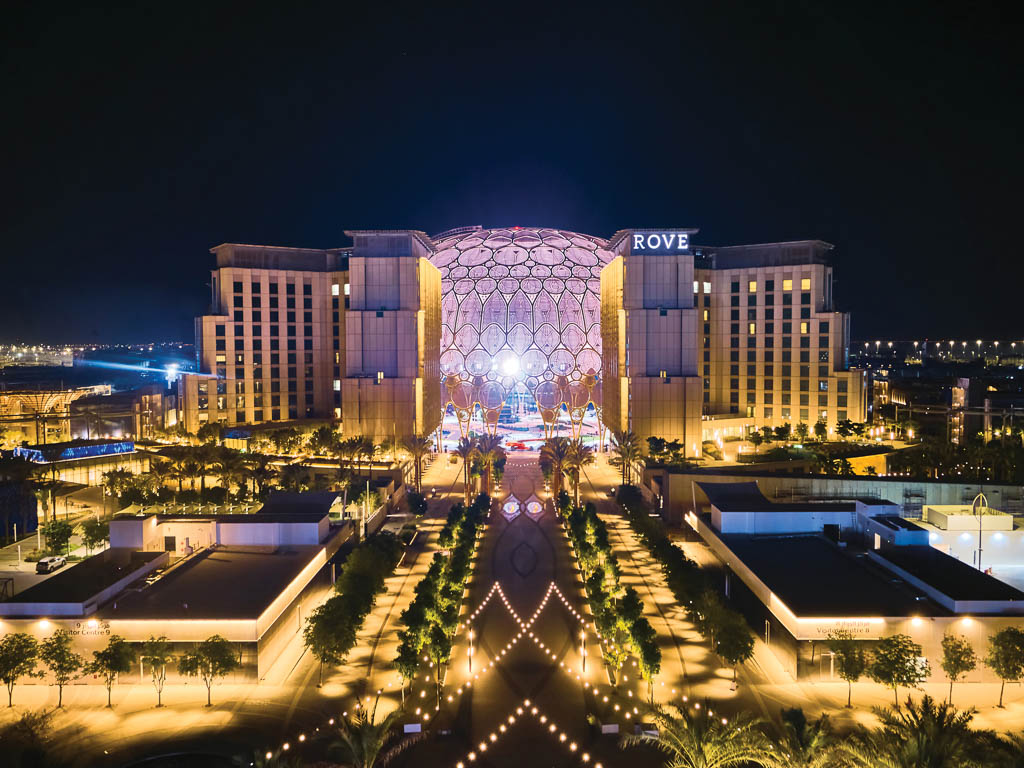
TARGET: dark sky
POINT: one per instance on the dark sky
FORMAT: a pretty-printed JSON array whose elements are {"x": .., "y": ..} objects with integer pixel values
[{"x": 133, "y": 141}]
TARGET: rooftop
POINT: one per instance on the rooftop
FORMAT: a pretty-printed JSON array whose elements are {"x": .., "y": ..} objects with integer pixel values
[
  {"x": 948, "y": 575},
  {"x": 80, "y": 581},
  {"x": 74, "y": 449},
  {"x": 747, "y": 497},
  {"x": 290, "y": 504},
  {"x": 218, "y": 583},
  {"x": 828, "y": 581}
]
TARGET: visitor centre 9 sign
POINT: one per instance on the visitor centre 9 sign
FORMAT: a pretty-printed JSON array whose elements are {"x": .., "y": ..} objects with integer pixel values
[{"x": 666, "y": 243}]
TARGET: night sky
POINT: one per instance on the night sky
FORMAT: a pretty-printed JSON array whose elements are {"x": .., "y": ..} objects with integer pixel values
[{"x": 133, "y": 141}]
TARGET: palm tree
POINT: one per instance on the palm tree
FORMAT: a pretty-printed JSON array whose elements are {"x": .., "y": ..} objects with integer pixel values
[
  {"x": 369, "y": 742},
  {"x": 229, "y": 466},
  {"x": 806, "y": 744},
  {"x": 580, "y": 456},
  {"x": 627, "y": 452},
  {"x": 204, "y": 456},
  {"x": 161, "y": 471},
  {"x": 466, "y": 450},
  {"x": 928, "y": 733},
  {"x": 294, "y": 477},
  {"x": 417, "y": 447},
  {"x": 191, "y": 469},
  {"x": 554, "y": 455},
  {"x": 697, "y": 739},
  {"x": 262, "y": 471},
  {"x": 488, "y": 451}
]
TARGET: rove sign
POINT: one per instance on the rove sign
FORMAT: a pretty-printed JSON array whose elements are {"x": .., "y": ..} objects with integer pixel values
[{"x": 666, "y": 243}]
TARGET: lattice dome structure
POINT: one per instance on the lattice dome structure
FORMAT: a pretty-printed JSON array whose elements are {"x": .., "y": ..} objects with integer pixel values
[{"x": 520, "y": 311}]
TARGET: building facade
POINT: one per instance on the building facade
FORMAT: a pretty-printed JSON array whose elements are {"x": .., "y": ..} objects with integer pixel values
[{"x": 656, "y": 336}]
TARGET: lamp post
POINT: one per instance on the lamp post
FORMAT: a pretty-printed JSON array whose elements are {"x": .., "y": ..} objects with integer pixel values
[
  {"x": 583, "y": 642},
  {"x": 471, "y": 651},
  {"x": 980, "y": 501}
]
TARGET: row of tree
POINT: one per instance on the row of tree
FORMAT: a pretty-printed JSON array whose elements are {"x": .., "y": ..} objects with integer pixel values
[
  {"x": 432, "y": 617},
  {"x": 330, "y": 631},
  {"x": 897, "y": 660},
  {"x": 618, "y": 612},
  {"x": 725, "y": 629},
  {"x": 483, "y": 460},
  {"x": 21, "y": 656}
]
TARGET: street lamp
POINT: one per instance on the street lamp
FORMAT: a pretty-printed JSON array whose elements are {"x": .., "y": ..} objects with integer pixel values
[
  {"x": 583, "y": 641},
  {"x": 471, "y": 651}
]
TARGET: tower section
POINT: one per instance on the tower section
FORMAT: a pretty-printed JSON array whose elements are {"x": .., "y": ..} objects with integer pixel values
[{"x": 649, "y": 337}]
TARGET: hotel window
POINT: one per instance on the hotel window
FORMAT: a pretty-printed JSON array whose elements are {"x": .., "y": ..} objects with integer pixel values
[
  {"x": 237, "y": 301},
  {"x": 769, "y": 328},
  {"x": 239, "y": 316},
  {"x": 841, "y": 385},
  {"x": 291, "y": 330},
  {"x": 805, "y": 313},
  {"x": 823, "y": 401},
  {"x": 734, "y": 370},
  {"x": 734, "y": 383},
  {"x": 769, "y": 314},
  {"x": 769, "y": 385},
  {"x": 734, "y": 301},
  {"x": 238, "y": 286},
  {"x": 289, "y": 317},
  {"x": 275, "y": 414},
  {"x": 769, "y": 285},
  {"x": 256, "y": 287},
  {"x": 734, "y": 328},
  {"x": 752, "y": 286},
  {"x": 273, "y": 287},
  {"x": 290, "y": 302},
  {"x": 804, "y": 399},
  {"x": 696, "y": 286},
  {"x": 805, "y": 298},
  {"x": 803, "y": 414},
  {"x": 787, "y": 357},
  {"x": 289, "y": 288},
  {"x": 823, "y": 341},
  {"x": 307, "y": 330},
  {"x": 751, "y": 328},
  {"x": 805, "y": 357},
  {"x": 751, "y": 397},
  {"x": 348, "y": 290},
  {"x": 805, "y": 284},
  {"x": 307, "y": 303},
  {"x": 769, "y": 341},
  {"x": 787, "y": 398},
  {"x": 785, "y": 413},
  {"x": 291, "y": 345},
  {"x": 273, "y": 302},
  {"x": 769, "y": 370},
  {"x": 769, "y": 398},
  {"x": 841, "y": 401},
  {"x": 823, "y": 371},
  {"x": 769, "y": 357},
  {"x": 257, "y": 302},
  {"x": 734, "y": 356},
  {"x": 751, "y": 370},
  {"x": 734, "y": 287},
  {"x": 335, "y": 289},
  {"x": 734, "y": 342},
  {"x": 751, "y": 314},
  {"x": 804, "y": 327},
  {"x": 257, "y": 317},
  {"x": 787, "y": 285},
  {"x": 707, "y": 315},
  {"x": 751, "y": 355},
  {"x": 734, "y": 314},
  {"x": 805, "y": 371},
  {"x": 307, "y": 289},
  {"x": 768, "y": 413},
  {"x": 218, "y": 330},
  {"x": 841, "y": 415},
  {"x": 707, "y": 287},
  {"x": 752, "y": 300}
]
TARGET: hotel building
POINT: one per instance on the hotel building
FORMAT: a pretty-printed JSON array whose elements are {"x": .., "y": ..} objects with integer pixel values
[{"x": 642, "y": 330}]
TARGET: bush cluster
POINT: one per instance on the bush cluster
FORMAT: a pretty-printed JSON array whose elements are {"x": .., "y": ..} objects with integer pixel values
[
  {"x": 433, "y": 615},
  {"x": 618, "y": 613}
]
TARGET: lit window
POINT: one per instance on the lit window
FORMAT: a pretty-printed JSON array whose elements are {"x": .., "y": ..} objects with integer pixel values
[
  {"x": 752, "y": 286},
  {"x": 752, "y": 328},
  {"x": 335, "y": 289},
  {"x": 707, "y": 315},
  {"x": 805, "y": 284},
  {"x": 696, "y": 285},
  {"x": 707, "y": 287},
  {"x": 787, "y": 285},
  {"x": 346, "y": 289},
  {"x": 803, "y": 327},
  {"x": 337, "y": 385}
]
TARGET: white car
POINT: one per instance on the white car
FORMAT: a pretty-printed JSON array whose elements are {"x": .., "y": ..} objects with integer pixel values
[{"x": 50, "y": 564}]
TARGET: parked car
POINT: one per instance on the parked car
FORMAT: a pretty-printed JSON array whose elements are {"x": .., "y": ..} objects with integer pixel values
[{"x": 50, "y": 564}]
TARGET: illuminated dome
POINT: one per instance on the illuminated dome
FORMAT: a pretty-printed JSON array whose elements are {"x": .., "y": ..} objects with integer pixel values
[{"x": 520, "y": 310}]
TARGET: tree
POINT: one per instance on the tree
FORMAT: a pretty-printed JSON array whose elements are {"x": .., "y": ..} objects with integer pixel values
[
  {"x": 850, "y": 657},
  {"x": 805, "y": 744},
  {"x": 923, "y": 734},
  {"x": 845, "y": 468},
  {"x": 94, "y": 533},
  {"x": 783, "y": 432},
  {"x": 156, "y": 654},
  {"x": 294, "y": 477},
  {"x": 579, "y": 456},
  {"x": 488, "y": 453},
  {"x": 756, "y": 439},
  {"x": 262, "y": 471},
  {"x": 1006, "y": 656},
  {"x": 696, "y": 739},
  {"x": 734, "y": 642},
  {"x": 897, "y": 661},
  {"x": 820, "y": 429},
  {"x": 57, "y": 535},
  {"x": 328, "y": 635},
  {"x": 958, "y": 658},
  {"x": 554, "y": 458},
  {"x": 365, "y": 741},
  {"x": 19, "y": 654},
  {"x": 230, "y": 467},
  {"x": 626, "y": 447},
  {"x": 466, "y": 450},
  {"x": 407, "y": 661},
  {"x": 323, "y": 441},
  {"x": 801, "y": 432},
  {"x": 417, "y": 447},
  {"x": 417, "y": 503},
  {"x": 117, "y": 658},
  {"x": 213, "y": 658},
  {"x": 64, "y": 664}
]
